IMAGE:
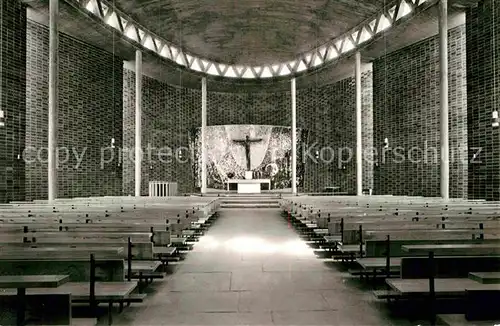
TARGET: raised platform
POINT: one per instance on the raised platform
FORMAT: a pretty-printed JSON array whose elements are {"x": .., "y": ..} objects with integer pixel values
[
  {"x": 248, "y": 186},
  {"x": 241, "y": 202}
]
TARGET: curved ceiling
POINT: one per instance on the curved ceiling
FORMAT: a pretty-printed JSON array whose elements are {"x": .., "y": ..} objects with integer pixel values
[
  {"x": 96, "y": 27},
  {"x": 390, "y": 15},
  {"x": 249, "y": 32}
]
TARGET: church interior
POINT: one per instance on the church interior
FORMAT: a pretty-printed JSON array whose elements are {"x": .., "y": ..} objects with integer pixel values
[{"x": 218, "y": 162}]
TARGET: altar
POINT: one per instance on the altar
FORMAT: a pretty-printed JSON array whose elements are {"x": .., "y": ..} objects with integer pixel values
[{"x": 249, "y": 186}]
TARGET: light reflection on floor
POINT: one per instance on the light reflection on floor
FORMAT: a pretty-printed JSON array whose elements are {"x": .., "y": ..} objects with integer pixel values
[{"x": 253, "y": 244}]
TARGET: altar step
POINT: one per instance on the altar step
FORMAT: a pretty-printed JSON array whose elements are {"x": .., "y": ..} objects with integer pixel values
[
  {"x": 249, "y": 202},
  {"x": 250, "y": 205}
]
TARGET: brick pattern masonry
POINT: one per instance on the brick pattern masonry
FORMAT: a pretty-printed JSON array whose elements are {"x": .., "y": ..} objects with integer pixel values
[
  {"x": 406, "y": 111},
  {"x": 483, "y": 63},
  {"x": 90, "y": 115},
  {"x": 12, "y": 99}
]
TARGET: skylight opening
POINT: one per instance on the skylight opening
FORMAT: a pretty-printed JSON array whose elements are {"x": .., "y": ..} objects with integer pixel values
[
  {"x": 348, "y": 45},
  {"x": 158, "y": 43},
  {"x": 195, "y": 65},
  {"x": 372, "y": 25},
  {"x": 239, "y": 69},
  {"x": 285, "y": 70},
  {"x": 148, "y": 43},
  {"x": 331, "y": 54},
  {"x": 248, "y": 73},
  {"x": 174, "y": 51},
  {"x": 131, "y": 33},
  {"x": 383, "y": 24},
  {"x": 92, "y": 7},
  {"x": 276, "y": 68},
  {"x": 308, "y": 58},
  {"x": 112, "y": 21},
  {"x": 266, "y": 73},
  {"x": 204, "y": 64},
  {"x": 392, "y": 12},
  {"x": 231, "y": 73},
  {"x": 365, "y": 36},
  {"x": 104, "y": 9},
  {"x": 141, "y": 33},
  {"x": 355, "y": 36},
  {"x": 322, "y": 51},
  {"x": 338, "y": 44},
  {"x": 180, "y": 60},
  {"x": 222, "y": 68},
  {"x": 258, "y": 70},
  {"x": 317, "y": 61},
  {"x": 124, "y": 22},
  {"x": 302, "y": 66},
  {"x": 212, "y": 70},
  {"x": 404, "y": 10},
  {"x": 165, "y": 52}
]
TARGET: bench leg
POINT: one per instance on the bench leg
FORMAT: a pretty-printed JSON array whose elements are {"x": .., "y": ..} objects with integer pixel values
[
  {"x": 110, "y": 313},
  {"x": 21, "y": 306},
  {"x": 120, "y": 309},
  {"x": 141, "y": 282}
]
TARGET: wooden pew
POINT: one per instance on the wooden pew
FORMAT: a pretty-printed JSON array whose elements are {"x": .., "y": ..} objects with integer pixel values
[
  {"x": 447, "y": 249},
  {"x": 21, "y": 283},
  {"x": 447, "y": 266}
]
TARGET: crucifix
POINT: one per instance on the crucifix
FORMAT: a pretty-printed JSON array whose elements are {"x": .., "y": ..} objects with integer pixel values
[{"x": 246, "y": 142}]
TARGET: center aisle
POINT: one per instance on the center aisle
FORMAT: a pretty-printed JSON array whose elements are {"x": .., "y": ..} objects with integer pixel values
[{"x": 252, "y": 268}]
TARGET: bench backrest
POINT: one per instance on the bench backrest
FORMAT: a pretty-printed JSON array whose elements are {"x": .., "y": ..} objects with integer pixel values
[
  {"x": 448, "y": 267},
  {"x": 378, "y": 248},
  {"x": 107, "y": 270}
]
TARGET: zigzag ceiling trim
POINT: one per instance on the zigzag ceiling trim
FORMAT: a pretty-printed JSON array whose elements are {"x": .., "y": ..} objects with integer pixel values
[{"x": 326, "y": 53}]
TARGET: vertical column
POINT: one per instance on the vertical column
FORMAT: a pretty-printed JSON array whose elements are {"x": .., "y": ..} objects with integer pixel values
[
  {"x": 53, "y": 97},
  {"x": 203, "y": 135},
  {"x": 443, "y": 64},
  {"x": 359, "y": 144},
  {"x": 138, "y": 122},
  {"x": 294, "y": 136}
]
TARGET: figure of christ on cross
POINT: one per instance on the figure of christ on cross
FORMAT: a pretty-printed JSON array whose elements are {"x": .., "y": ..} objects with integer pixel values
[{"x": 246, "y": 142}]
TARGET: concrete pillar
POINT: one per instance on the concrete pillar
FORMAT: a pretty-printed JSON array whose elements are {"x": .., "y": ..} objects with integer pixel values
[
  {"x": 294, "y": 136},
  {"x": 138, "y": 122},
  {"x": 359, "y": 142},
  {"x": 203, "y": 135},
  {"x": 53, "y": 97},
  {"x": 443, "y": 64}
]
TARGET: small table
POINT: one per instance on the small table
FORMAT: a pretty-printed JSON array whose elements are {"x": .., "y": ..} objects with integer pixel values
[{"x": 23, "y": 282}]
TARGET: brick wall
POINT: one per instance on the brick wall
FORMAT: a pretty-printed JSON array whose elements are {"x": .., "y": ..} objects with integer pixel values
[
  {"x": 169, "y": 113},
  {"x": 406, "y": 111},
  {"x": 249, "y": 108},
  {"x": 329, "y": 112},
  {"x": 13, "y": 99},
  {"x": 483, "y": 67},
  {"x": 90, "y": 115}
]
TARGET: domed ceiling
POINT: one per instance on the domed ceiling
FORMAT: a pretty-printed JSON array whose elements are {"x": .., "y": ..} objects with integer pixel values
[
  {"x": 249, "y": 32},
  {"x": 250, "y": 45}
]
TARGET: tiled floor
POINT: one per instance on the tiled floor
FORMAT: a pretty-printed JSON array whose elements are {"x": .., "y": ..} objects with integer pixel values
[{"x": 252, "y": 269}]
